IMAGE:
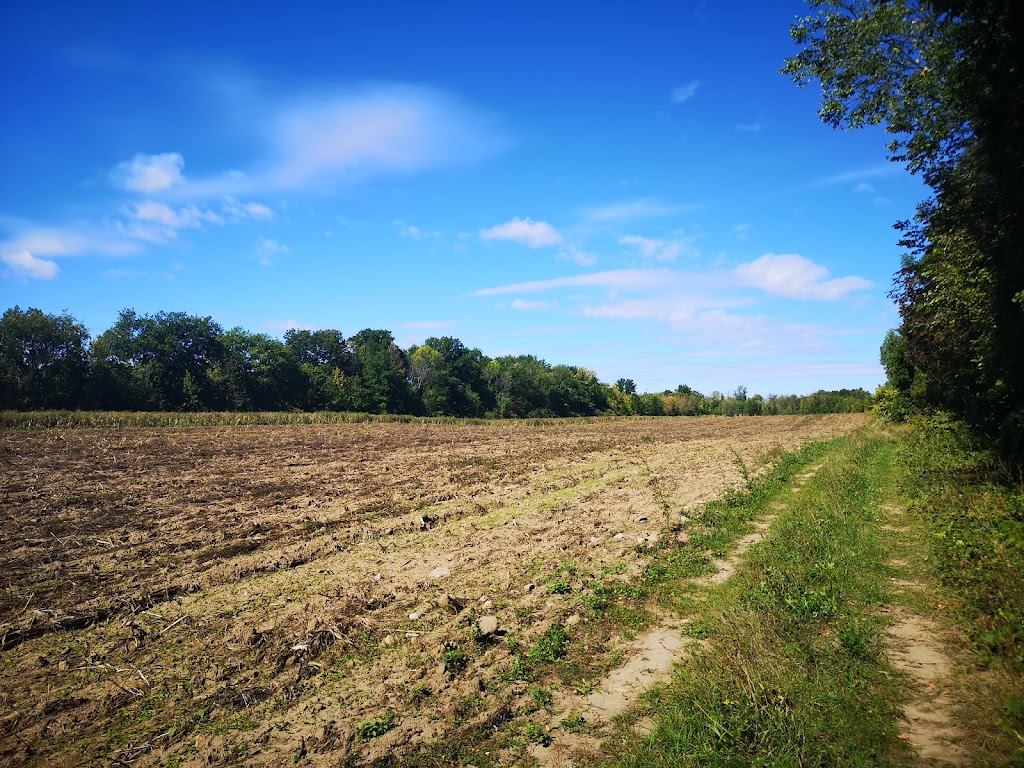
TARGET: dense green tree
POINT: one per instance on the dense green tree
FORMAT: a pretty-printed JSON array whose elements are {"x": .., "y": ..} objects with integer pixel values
[
  {"x": 381, "y": 369},
  {"x": 327, "y": 366},
  {"x": 451, "y": 377},
  {"x": 44, "y": 360},
  {"x": 946, "y": 78},
  {"x": 519, "y": 385},
  {"x": 162, "y": 360}
]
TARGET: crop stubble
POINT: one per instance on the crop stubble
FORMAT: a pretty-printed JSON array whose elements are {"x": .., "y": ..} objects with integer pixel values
[{"x": 261, "y": 591}]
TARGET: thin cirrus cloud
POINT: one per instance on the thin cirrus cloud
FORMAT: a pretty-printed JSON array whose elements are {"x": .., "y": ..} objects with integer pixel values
[
  {"x": 532, "y": 234},
  {"x": 685, "y": 92},
  {"x": 29, "y": 251},
  {"x": 615, "y": 279},
  {"x": 632, "y": 210},
  {"x": 652, "y": 249},
  {"x": 859, "y": 175},
  {"x": 330, "y": 137},
  {"x": 795, "y": 277}
]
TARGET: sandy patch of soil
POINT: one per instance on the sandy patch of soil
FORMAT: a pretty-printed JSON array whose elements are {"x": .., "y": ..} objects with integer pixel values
[{"x": 263, "y": 594}]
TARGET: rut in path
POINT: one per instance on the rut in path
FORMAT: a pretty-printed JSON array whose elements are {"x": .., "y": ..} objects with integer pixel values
[
  {"x": 915, "y": 648},
  {"x": 650, "y": 659}
]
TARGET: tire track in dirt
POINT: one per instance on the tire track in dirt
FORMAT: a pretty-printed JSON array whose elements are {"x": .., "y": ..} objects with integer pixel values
[
  {"x": 915, "y": 648},
  {"x": 650, "y": 660}
]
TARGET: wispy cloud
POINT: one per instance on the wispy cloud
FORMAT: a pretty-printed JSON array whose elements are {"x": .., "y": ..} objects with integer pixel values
[
  {"x": 754, "y": 127},
  {"x": 412, "y": 232},
  {"x": 268, "y": 249},
  {"x": 149, "y": 173},
  {"x": 795, "y": 277},
  {"x": 157, "y": 222},
  {"x": 324, "y": 138},
  {"x": 576, "y": 254},
  {"x": 239, "y": 211},
  {"x": 864, "y": 187},
  {"x": 616, "y": 279},
  {"x": 652, "y": 249},
  {"x": 530, "y": 306},
  {"x": 861, "y": 174},
  {"x": 24, "y": 265},
  {"x": 29, "y": 249},
  {"x": 533, "y": 234},
  {"x": 685, "y": 92},
  {"x": 741, "y": 231},
  {"x": 632, "y": 210}
]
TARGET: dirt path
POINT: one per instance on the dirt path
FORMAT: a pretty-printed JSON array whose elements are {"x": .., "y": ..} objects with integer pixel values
[
  {"x": 915, "y": 648},
  {"x": 650, "y": 660}
]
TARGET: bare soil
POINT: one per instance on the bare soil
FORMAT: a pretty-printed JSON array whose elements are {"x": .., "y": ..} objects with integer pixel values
[{"x": 267, "y": 594}]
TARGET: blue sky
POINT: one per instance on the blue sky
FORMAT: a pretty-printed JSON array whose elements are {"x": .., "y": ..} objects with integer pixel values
[{"x": 630, "y": 187}]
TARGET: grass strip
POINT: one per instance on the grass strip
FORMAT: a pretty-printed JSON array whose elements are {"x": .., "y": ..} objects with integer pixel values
[{"x": 793, "y": 672}]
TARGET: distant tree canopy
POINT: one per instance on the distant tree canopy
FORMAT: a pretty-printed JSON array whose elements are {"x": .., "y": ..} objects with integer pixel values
[
  {"x": 172, "y": 361},
  {"x": 946, "y": 77}
]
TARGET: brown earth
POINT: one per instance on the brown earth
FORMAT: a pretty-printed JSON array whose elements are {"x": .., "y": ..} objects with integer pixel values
[{"x": 267, "y": 594}]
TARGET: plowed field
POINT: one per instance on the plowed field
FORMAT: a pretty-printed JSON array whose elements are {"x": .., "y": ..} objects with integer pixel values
[{"x": 260, "y": 595}]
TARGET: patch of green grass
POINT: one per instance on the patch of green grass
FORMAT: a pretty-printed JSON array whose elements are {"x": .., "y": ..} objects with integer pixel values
[
  {"x": 377, "y": 726},
  {"x": 552, "y": 645},
  {"x": 574, "y": 722}
]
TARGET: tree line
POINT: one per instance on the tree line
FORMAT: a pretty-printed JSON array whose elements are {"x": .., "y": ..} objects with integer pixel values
[
  {"x": 174, "y": 361},
  {"x": 946, "y": 78}
]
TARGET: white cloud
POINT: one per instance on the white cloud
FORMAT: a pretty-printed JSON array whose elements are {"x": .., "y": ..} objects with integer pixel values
[
  {"x": 754, "y": 127},
  {"x": 237, "y": 210},
  {"x": 573, "y": 253},
  {"x": 616, "y": 279},
  {"x": 741, "y": 231},
  {"x": 150, "y": 173},
  {"x": 24, "y": 264},
  {"x": 530, "y": 306},
  {"x": 378, "y": 129},
  {"x": 656, "y": 250},
  {"x": 268, "y": 248},
  {"x": 685, "y": 92},
  {"x": 157, "y": 222},
  {"x": 533, "y": 234},
  {"x": 874, "y": 171},
  {"x": 632, "y": 210},
  {"x": 864, "y": 187},
  {"x": 795, "y": 277},
  {"x": 413, "y": 233}
]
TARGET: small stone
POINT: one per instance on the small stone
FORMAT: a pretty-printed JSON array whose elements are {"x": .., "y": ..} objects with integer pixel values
[
  {"x": 618, "y": 537},
  {"x": 486, "y": 604},
  {"x": 440, "y": 572},
  {"x": 388, "y": 641},
  {"x": 530, "y": 587},
  {"x": 487, "y": 625},
  {"x": 573, "y": 620},
  {"x": 413, "y": 616}
]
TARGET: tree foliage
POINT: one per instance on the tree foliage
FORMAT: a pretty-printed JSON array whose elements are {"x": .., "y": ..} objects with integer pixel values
[
  {"x": 180, "y": 362},
  {"x": 946, "y": 78}
]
